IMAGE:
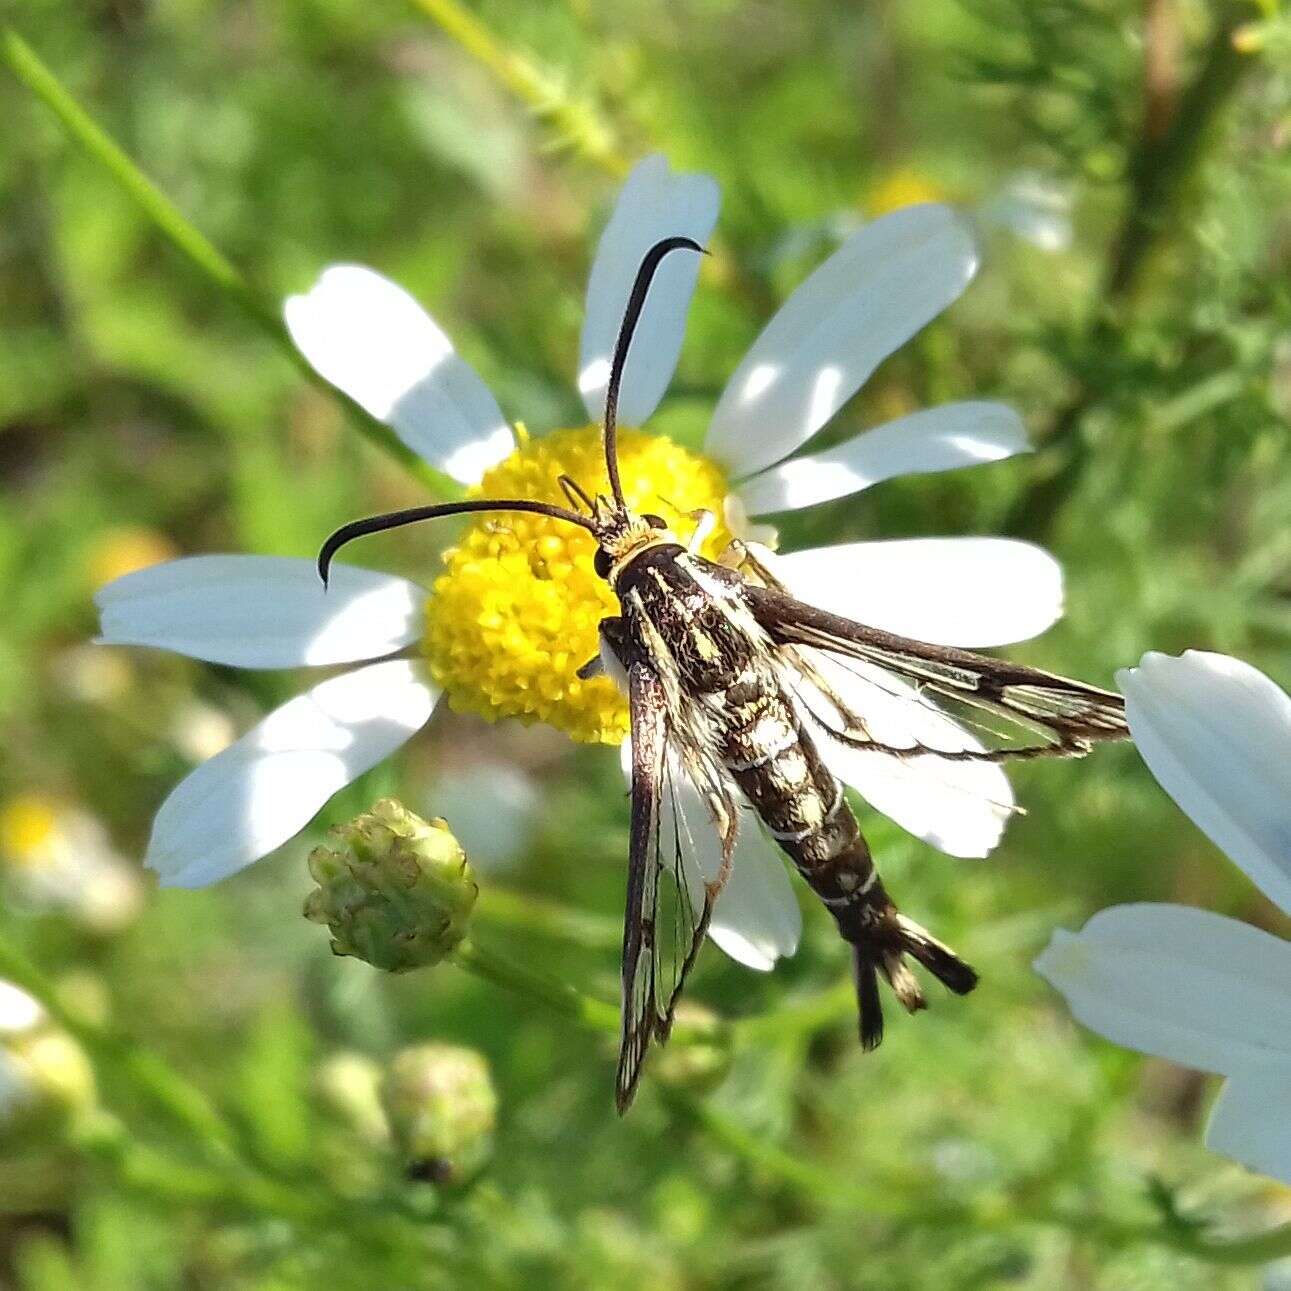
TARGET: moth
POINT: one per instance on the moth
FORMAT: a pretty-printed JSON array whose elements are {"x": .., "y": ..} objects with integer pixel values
[{"x": 731, "y": 686}]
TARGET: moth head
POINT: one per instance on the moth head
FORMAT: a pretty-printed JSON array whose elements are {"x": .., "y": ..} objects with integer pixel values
[{"x": 621, "y": 535}]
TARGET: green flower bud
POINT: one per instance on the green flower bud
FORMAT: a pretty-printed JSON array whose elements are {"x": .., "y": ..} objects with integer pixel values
[
  {"x": 394, "y": 889},
  {"x": 442, "y": 1109},
  {"x": 58, "y": 1069},
  {"x": 349, "y": 1084},
  {"x": 698, "y": 1065}
]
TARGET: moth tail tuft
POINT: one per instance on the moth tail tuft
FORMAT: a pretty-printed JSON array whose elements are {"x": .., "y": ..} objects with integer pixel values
[
  {"x": 868, "y": 1003},
  {"x": 886, "y": 954},
  {"x": 936, "y": 957}
]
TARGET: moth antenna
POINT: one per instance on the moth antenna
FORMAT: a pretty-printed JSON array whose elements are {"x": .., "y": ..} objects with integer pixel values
[
  {"x": 575, "y": 492},
  {"x": 632, "y": 316},
  {"x": 413, "y": 515}
]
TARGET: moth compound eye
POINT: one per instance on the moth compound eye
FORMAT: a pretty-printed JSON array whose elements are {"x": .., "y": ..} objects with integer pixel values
[
  {"x": 601, "y": 562},
  {"x": 654, "y": 521}
]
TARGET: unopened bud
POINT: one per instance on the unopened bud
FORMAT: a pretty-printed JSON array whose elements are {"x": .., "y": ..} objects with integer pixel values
[
  {"x": 395, "y": 890},
  {"x": 58, "y": 1069},
  {"x": 698, "y": 1065},
  {"x": 442, "y": 1108},
  {"x": 1250, "y": 37},
  {"x": 45, "y": 1076},
  {"x": 350, "y": 1086}
]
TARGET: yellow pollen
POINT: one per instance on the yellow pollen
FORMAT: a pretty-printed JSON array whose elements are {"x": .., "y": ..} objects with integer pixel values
[
  {"x": 514, "y": 615},
  {"x": 28, "y": 829},
  {"x": 901, "y": 188},
  {"x": 122, "y": 551}
]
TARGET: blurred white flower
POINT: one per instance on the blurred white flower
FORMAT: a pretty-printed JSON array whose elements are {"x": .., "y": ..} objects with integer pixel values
[
  {"x": 18, "y": 1011},
  {"x": 19, "y": 1016},
  {"x": 491, "y": 806},
  {"x": 200, "y": 731},
  {"x": 92, "y": 676},
  {"x": 1034, "y": 207},
  {"x": 42, "y": 1069},
  {"x": 1189, "y": 985},
  {"x": 56, "y": 856}
]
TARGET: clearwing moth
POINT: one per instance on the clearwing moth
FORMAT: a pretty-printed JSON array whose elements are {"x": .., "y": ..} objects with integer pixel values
[{"x": 732, "y": 685}]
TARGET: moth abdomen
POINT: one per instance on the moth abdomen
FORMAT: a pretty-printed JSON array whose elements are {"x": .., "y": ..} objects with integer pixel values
[{"x": 776, "y": 764}]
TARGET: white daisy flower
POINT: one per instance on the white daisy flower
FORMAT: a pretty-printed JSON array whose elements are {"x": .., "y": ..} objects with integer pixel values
[
  {"x": 20, "y": 1015},
  {"x": 1034, "y": 207},
  {"x": 1188, "y": 985},
  {"x": 513, "y": 614},
  {"x": 56, "y": 856}
]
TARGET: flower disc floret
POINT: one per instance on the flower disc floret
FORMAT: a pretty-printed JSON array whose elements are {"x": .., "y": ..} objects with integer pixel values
[{"x": 514, "y": 615}]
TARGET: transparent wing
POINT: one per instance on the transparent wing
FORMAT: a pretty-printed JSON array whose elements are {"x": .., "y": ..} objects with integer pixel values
[
  {"x": 1003, "y": 704},
  {"x": 668, "y": 912}
]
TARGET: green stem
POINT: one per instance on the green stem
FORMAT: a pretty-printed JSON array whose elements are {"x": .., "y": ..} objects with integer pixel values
[
  {"x": 821, "y": 1010},
  {"x": 184, "y": 1104},
  {"x": 1162, "y": 165},
  {"x": 548, "y": 919},
  {"x": 575, "y": 123},
  {"x": 1159, "y": 170},
  {"x": 569, "y": 1002},
  {"x": 200, "y": 252},
  {"x": 1261, "y": 1248},
  {"x": 143, "y": 1168},
  {"x": 596, "y": 1015}
]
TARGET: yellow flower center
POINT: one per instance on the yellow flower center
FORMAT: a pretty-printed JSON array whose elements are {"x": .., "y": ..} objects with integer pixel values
[
  {"x": 28, "y": 829},
  {"x": 515, "y": 613}
]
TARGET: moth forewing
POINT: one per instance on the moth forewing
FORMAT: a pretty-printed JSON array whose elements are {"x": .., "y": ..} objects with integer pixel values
[
  {"x": 649, "y": 739},
  {"x": 665, "y": 923},
  {"x": 1068, "y": 715}
]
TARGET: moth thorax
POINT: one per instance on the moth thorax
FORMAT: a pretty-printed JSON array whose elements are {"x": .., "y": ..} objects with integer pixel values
[{"x": 630, "y": 535}]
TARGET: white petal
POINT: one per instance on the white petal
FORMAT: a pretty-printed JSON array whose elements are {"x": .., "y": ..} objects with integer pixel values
[
  {"x": 371, "y": 339},
  {"x": 756, "y": 919},
  {"x": 262, "y": 611},
  {"x": 961, "y": 808},
  {"x": 653, "y": 204},
  {"x": 267, "y": 786},
  {"x": 1251, "y": 1120},
  {"x": 1216, "y": 733},
  {"x": 1184, "y": 984},
  {"x": 951, "y": 591},
  {"x": 936, "y": 439},
  {"x": 19, "y": 1012},
  {"x": 875, "y": 292}
]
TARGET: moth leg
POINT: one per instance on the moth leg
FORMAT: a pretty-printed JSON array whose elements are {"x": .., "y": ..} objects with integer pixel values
[
  {"x": 747, "y": 558},
  {"x": 705, "y": 523}
]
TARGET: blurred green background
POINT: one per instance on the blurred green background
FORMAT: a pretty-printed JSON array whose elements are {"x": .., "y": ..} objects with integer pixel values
[{"x": 1129, "y": 164}]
